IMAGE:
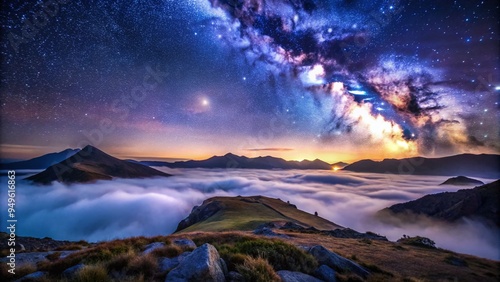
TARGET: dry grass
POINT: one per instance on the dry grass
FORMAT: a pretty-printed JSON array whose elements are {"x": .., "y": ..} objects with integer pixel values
[
  {"x": 168, "y": 251},
  {"x": 257, "y": 270},
  {"x": 92, "y": 273},
  {"x": 409, "y": 262},
  {"x": 20, "y": 272}
]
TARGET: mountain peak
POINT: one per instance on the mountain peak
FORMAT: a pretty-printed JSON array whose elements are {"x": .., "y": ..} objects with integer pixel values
[{"x": 91, "y": 164}]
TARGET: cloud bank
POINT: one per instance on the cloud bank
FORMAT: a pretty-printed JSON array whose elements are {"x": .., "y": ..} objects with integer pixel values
[{"x": 121, "y": 208}]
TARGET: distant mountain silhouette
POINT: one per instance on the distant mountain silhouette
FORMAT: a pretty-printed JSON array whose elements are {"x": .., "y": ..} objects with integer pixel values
[
  {"x": 462, "y": 181},
  {"x": 41, "y": 162},
  {"x": 487, "y": 166},
  {"x": 233, "y": 161},
  {"x": 339, "y": 165},
  {"x": 91, "y": 164},
  {"x": 481, "y": 202}
]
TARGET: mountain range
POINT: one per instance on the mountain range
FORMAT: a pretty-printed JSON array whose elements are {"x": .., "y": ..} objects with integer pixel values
[
  {"x": 484, "y": 165},
  {"x": 41, "y": 162},
  {"x": 233, "y": 161},
  {"x": 91, "y": 164}
]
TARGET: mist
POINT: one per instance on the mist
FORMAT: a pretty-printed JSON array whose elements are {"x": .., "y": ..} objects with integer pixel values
[{"x": 122, "y": 208}]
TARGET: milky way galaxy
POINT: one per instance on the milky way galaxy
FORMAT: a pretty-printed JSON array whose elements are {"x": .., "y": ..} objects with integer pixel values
[{"x": 309, "y": 78}]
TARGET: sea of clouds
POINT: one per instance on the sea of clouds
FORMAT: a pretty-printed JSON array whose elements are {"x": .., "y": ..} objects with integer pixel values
[{"x": 130, "y": 207}]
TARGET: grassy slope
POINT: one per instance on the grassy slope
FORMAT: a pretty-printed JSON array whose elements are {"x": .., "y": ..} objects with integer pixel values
[{"x": 246, "y": 213}]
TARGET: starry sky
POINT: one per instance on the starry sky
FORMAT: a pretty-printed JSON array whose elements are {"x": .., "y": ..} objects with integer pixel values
[{"x": 335, "y": 80}]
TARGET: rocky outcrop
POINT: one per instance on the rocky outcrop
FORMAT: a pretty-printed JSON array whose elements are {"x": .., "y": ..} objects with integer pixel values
[
  {"x": 200, "y": 213},
  {"x": 292, "y": 276},
  {"x": 203, "y": 264},
  {"x": 339, "y": 263}
]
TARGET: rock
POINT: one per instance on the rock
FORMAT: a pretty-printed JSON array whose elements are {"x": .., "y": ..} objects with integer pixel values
[
  {"x": 265, "y": 231},
  {"x": 70, "y": 272},
  {"x": 292, "y": 276},
  {"x": 331, "y": 259},
  {"x": 202, "y": 264},
  {"x": 32, "y": 276},
  {"x": 293, "y": 226},
  {"x": 350, "y": 233},
  {"x": 223, "y": 266},
  {"x": 153, "y": 246},
  {"x": 325, "y": 273},
  {"x": 456, "y": 261},
  {"x": 185, "y": 243},
  {"x": 167, "y": 264},
  {"x": 234, "y": 276}
]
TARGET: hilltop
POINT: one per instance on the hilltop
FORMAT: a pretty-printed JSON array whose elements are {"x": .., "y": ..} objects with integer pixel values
[{"x": 247, "y": 213}]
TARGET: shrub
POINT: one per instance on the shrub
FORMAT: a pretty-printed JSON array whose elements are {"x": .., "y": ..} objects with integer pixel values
[
  {"x": 280, "y": 255},
  {"x": 418, "y": 241},
  {"x": 169, "y": 251},
  {"x": 53, "y": 256},
  {"x": 143, "y": 265},
  {"x": 72, "y": 247},
  {"x": 92, "y": 273},
  {"x": 120, "y": 262},
  {"x": 258, "y": 270}
]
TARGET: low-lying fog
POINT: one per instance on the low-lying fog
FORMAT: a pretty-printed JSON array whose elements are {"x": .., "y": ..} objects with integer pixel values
[{"x": 122, "y": 208}]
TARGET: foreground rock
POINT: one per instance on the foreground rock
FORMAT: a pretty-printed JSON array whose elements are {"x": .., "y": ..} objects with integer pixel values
[
  {"x": 32, "y": 277},
  {"x": 203, "y": 264},
  {"x": 167, "y": 264},
  {"x": 292, "y": 276},
  {"x": 325, "y": 273},
  {"x": 185, "y": 243},
  {"x": 341, "y": 264}
]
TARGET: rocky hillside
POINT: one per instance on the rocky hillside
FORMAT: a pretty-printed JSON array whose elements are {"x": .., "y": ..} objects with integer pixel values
[
  {"x": 478, "y": 203},
  {"x": 91, "y": 164},
  {"x": 242, "y": 256}
]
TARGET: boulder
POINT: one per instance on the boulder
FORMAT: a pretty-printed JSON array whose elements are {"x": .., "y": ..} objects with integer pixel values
[
  {"x": 32, "y": 276},
  {"x": 153, "y": 246},
  {"x": 234, "y": 276},
  {"x": 339, "y": 263},
  {"x": 167, "y": 264},
  {"x": 203, "y": 264},
  {"x": 292, "y": 276},
  {"x": 185, "y": 243},
  {"x": 325, "y": 273},
  {"x": 70, "y": 272}
]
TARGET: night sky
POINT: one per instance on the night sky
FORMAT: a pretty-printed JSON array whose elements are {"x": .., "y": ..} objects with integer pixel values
[{"x": 335, "y": 80}]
